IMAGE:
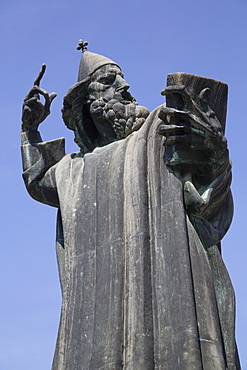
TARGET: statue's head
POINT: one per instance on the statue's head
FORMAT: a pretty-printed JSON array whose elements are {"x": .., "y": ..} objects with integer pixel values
[{"x": 99, "y": 108}]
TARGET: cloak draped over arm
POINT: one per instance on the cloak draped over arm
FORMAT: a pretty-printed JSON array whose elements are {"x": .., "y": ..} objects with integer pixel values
[{"x": 39, "y": 165}]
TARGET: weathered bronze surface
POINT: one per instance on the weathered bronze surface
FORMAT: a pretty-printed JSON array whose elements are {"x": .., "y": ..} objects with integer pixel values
[{"x": 142, "y": 209}]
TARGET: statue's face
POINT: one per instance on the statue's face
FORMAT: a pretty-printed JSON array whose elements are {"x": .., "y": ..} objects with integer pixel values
[
  {"x": 106, "y": 81},
  {"x": 114, "y": 111}
]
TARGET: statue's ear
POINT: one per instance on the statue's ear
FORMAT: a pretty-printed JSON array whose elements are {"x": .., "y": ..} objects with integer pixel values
[{"x": 204, "y": 98}]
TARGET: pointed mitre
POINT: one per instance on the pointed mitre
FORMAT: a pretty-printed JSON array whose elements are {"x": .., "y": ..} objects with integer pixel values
[{"x": 90, "y": 62}]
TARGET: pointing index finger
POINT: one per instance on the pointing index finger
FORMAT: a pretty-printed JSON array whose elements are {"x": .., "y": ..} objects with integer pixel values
[{"x": 40, "y": 75}]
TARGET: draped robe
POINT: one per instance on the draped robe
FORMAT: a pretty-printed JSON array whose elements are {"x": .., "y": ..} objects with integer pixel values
[{"x": 140, "y": 288}]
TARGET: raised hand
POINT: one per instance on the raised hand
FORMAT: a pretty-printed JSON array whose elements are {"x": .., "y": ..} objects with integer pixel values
[{"x": 34, "y": 111}]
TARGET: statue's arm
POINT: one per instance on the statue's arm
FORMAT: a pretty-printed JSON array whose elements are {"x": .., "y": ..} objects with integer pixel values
[
  {"x": 39, "y": 159},
  {"x": 212, "y": 204}
]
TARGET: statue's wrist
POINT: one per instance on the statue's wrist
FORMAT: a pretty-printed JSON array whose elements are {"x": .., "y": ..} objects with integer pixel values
[{"x": 30, "y": 136}]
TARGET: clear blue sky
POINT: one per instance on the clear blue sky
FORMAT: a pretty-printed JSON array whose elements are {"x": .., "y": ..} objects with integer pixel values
[{"x": 149, "y": 39}]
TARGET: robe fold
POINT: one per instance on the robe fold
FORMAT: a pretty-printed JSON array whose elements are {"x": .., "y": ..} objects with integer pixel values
[{"x": 140, "y": 288}]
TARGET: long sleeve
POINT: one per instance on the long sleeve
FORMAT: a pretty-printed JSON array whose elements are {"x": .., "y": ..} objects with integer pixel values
[{"x": 39, "y": 166}]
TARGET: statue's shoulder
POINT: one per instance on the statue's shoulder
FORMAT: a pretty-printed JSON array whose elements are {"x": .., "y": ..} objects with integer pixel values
[
  {"x": 69, "y": 166},
  {"x": 153, "y": 121},
  {"x": 72, "y": 157}
]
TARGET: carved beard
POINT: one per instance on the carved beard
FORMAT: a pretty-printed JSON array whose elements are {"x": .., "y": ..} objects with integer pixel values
[{"x": 122, "y": 111}]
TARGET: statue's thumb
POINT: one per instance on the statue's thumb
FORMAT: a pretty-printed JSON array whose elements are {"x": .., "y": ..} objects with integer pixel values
[
  {"x": 204, "y": 97},
  {"x": 52, "y": 96}
]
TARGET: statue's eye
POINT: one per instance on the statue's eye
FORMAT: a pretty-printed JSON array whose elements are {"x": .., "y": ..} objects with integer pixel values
[{"x": 107, "y": 80}]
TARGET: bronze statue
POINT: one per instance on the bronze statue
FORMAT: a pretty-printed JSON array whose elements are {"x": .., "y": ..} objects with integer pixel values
[{"x": 142, "y": 208}]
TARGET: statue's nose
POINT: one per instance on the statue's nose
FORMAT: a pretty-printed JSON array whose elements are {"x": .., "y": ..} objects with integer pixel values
[{"x": 121, "y": 83}]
